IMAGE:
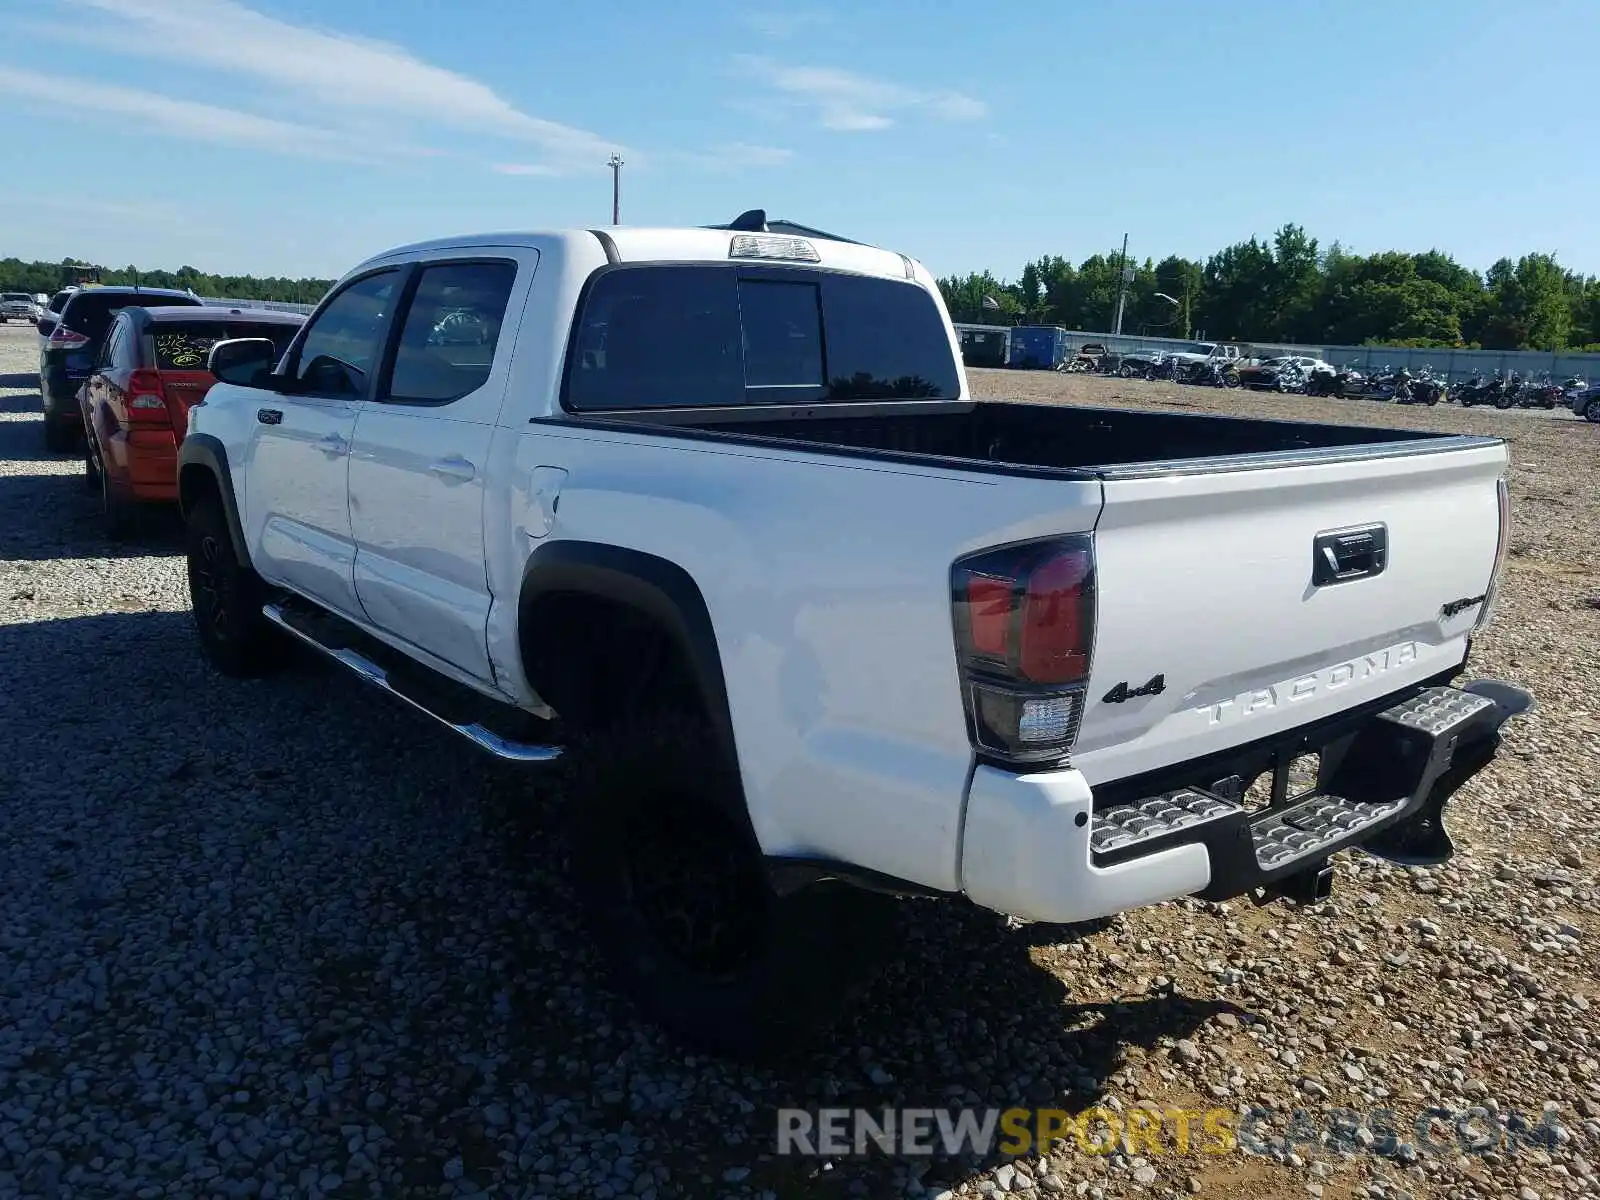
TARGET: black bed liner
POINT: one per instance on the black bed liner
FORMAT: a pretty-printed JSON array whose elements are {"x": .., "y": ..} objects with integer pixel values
[{"x": 1043, "y": 439}]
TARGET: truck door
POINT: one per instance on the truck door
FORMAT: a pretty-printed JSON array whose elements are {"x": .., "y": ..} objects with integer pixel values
[{"x": 417, "y": 470}]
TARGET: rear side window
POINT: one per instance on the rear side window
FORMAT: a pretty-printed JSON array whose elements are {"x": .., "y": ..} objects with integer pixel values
[
  {"x": 59, "y": 301},
  {"x": 184, "y": 345},
  {"x": 451, "y": 329},
  {"x": 659, "y": 336},
  {"x": 692, "y": 336}
]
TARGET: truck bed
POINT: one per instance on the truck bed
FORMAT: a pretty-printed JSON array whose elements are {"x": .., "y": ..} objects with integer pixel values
[{"x": 1060, "y": 438}]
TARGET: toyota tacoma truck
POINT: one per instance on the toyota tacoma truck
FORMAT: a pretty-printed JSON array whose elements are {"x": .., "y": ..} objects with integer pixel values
[{"x": 707, "y": 523}]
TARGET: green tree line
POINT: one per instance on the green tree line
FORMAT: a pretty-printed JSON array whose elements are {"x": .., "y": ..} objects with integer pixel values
[
  {"x": 1286, "y": 289},
  {"x": 48, "y": 277}
]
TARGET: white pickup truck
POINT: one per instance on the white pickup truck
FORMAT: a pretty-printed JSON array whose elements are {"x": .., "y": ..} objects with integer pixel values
[
  {"x": 17, "y": 306},
  {"x": 711, "y": 516}
]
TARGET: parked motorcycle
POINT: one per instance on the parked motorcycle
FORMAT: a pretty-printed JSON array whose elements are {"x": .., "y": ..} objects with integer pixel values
[
  {"x": 1381, "y": 385},
  {"x": 1350, "y": 383},
  {"x": 1506, "y": 396},
  {"x": 1292, "y": 377},
  {"x": 1323, "y": 381},
  {"x": 1426, "y": 388},
  {"x": 1213, "y": 372},
  {"x": 1471, "y": 391},
  {"x": 1545, "y": 394}
]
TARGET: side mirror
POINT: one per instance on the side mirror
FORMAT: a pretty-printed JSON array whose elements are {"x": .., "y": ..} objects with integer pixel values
[
  {"x": 45, "y": 325},
  {"x": 241, "y": 361}
]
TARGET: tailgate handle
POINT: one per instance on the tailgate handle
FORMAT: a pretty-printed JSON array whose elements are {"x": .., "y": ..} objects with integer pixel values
[{"x": 1343, "y": 555}]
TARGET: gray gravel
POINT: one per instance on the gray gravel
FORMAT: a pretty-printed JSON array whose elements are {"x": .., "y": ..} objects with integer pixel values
[{"x": 281, "y": 938}]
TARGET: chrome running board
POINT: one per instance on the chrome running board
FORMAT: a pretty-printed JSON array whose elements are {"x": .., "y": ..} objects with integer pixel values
[{"x": 369, "y": 671}]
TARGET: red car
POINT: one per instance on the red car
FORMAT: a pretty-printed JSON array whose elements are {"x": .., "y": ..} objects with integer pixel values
[{"x": 150, "y": 370}]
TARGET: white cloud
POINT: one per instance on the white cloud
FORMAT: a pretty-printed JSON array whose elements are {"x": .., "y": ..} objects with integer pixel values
[
  {"x": 538, "y": 169},
  {"x": 205, "y": 122},
  {"x": 338, "y": 72},
  {"x": 846, "y": 101},
  {"x": 776, "y": 24},
  {"x": 729, "y": 156}
]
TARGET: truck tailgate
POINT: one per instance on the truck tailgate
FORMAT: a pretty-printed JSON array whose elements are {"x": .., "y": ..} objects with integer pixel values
[{"x": 1240, "y": 600}]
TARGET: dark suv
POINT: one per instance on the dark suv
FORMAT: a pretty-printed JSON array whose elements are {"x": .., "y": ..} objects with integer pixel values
[{"x": 71, "y": 345}]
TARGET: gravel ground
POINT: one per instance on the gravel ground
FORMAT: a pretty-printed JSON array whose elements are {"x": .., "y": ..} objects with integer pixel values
[{"x": 282, "y": 938}]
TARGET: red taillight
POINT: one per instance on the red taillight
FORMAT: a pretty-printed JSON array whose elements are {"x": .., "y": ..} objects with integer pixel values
[
  {"x": 989, "y": 612},
  {"x": 1024, "y": 621},
  {"x": 146, "y": 400},
  {"x": 62, "y": 338},
  {"x": 1056, "y": 620}
]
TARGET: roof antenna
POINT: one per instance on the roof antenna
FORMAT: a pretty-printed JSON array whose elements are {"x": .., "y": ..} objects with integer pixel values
[{"x": 753, "y": 221}]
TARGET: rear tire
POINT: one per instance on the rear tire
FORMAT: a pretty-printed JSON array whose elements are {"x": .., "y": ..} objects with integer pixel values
[
  {"x": 59, "y": 437},
  {"x": 226, "y": 595},
  {"x": 1591, "y": 411},
  {"x": 676, "y": 894},
  {"x": 118, "y": 516}
]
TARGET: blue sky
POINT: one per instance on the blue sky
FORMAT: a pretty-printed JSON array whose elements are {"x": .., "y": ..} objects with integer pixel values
[{"x": 297, "y": 137}]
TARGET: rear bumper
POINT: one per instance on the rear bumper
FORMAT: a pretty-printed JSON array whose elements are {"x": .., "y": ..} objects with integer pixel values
[
  {"x": 142, "y": 464},
  {"x": 1039, "y": 847}
]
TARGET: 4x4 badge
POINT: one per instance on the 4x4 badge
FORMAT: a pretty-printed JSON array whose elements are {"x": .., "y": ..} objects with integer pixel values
[{"x": 1122, "y": 692}]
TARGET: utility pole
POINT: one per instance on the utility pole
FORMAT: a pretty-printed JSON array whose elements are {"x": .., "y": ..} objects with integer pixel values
[
  {"x": 616, "y": 188},
  {"x": 1122, "y": 286}
]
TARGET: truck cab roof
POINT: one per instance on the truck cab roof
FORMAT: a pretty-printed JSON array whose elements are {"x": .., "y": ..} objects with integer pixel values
[{"x": 774, "y": 246}]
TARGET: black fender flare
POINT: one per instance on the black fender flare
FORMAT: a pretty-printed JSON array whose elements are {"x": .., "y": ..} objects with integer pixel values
[
  {"x": 203, "y": 452},
  {"x": 654, "y": 586}
]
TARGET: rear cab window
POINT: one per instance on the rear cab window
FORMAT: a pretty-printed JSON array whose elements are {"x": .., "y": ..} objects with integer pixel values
[
  {"x": 91, "y": 313},
  {"x": 184, "y": 345},
  {"x": 711, "y": 335}
]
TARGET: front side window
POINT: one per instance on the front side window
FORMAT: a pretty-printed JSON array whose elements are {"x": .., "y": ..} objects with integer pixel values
[
  {"x": 343, "y": 340},
  {"x": 713, "y": 335},
  {"x": 451, "y": 329}
]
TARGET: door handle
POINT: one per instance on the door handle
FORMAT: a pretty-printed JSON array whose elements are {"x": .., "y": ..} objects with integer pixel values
[
  {"x": 1341, "y": 556},
  {"x": 269, "y": 416},
  {"x": 455, "y": 467},
  {"x": 332, "y": 444}
]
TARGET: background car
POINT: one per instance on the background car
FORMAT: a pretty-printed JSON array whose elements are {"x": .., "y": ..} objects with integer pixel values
[
  {"x": 72, "y": 344},
  {"x": 17, "y": 306},
  {"x": 1264, "y": 372},
  {"x": 151, "y": 369}
]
